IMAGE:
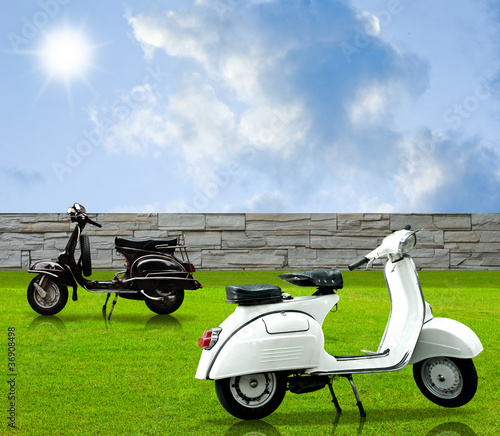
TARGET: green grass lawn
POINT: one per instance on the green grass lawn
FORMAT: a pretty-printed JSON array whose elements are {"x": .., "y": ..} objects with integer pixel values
[{"x": 77, "y": 374}]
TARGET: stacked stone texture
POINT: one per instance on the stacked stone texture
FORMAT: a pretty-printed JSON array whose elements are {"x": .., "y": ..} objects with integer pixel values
[{"x": 262, "y": 241}]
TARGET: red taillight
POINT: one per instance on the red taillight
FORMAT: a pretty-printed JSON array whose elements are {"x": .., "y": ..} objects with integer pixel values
[
  {"x": 209, "y": 338},
  {"x": 189, "y": 267},
  {"x": 204, "y": 341}
]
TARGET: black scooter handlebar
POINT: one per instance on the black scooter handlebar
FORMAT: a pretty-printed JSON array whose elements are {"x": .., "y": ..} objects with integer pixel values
[
  {"x": 93, "y": 223},
  {"x": 358, "y": 263}
]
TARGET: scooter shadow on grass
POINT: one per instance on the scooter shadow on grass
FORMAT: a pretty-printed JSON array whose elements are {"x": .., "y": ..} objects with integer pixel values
[
  {"x": 452, "y": 428},
  {"x": 156, "y": 322},
  {"x": 334, "y": 419},
  {"x": 257, "y": 427},
  {"x": 47, "y": 323}
]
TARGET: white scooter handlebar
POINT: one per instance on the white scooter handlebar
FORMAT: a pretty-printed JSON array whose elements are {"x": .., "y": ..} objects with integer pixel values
[
  {"x": 384, "y": 249},
  {"x": 358, "y": 263}
]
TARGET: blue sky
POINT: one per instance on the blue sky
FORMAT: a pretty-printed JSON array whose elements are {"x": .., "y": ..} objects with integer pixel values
[{"x": 250, "y": 106}]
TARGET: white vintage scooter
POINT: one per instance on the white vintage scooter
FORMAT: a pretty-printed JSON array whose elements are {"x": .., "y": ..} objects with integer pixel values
[{"x": 273, "y": 342}]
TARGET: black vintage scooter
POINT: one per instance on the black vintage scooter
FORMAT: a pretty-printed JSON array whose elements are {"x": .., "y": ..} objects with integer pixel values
[{"x": 153, "y": 274}]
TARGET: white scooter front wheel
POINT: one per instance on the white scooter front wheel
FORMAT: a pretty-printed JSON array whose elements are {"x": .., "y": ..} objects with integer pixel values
[
  {"x": 446, "y": 381},
  {"x": 252, "y": 396}
]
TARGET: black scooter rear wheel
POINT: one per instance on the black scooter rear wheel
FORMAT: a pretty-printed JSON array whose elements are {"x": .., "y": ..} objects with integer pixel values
[
  {"x": 51, "y": 299},
  {"x": 171, "y": 302}
]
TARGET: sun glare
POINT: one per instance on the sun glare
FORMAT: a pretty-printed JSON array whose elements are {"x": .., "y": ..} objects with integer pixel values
[{"x": 66, "y": 54}]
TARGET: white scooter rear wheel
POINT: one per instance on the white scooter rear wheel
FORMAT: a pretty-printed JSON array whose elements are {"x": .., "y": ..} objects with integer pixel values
[
  {"x": 446, "y": 381},
  {"x": 252, "y": 396}
]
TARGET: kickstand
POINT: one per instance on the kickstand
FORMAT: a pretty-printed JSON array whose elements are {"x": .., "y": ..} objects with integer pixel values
[
  {"x": 112, "y": 306},
  {"x": 105, "y": 305},
  {"x": 338, "y": 409},
  {"x": 358, "y": 401}
]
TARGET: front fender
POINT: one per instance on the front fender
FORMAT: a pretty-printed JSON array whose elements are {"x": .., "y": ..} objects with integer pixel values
[
  {"x": 274, "y": 342},
  {"x": 446, "y": 337},
  {"x": 55, "y": 269}
]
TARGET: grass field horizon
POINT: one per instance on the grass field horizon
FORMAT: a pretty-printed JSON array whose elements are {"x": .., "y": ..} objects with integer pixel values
[{"x": 77, "y": 374}]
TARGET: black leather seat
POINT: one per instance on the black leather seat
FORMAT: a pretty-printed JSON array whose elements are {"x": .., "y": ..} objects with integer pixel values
[
  {"x": 324, "y": 278},
  {"x": 253, "y": 294},
  {"x": 151, "y": 244}
]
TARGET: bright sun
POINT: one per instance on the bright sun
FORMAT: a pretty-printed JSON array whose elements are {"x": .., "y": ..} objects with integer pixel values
[{"x": 66, "y": 54}]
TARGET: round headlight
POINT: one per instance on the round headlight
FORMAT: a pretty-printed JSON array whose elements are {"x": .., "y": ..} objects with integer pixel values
[{"x": 407, "y": 244}]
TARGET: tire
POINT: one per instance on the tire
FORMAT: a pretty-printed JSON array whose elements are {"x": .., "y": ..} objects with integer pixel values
[
  {"x": 446, "y": 381},
  {"x": 253, "y": 396},
  {"x": 86, "y": 258},
  {"x": 171, "y": 302},
  {"x": 53, "y": 302}
]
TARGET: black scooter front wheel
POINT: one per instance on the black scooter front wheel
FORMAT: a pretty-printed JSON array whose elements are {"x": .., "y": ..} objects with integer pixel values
[
  {"x": 46, "y": 295},
  {"x": 170, "y": 302}
]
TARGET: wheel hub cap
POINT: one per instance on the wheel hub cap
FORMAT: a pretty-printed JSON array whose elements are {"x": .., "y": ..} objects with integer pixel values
[
  {"x": 50, "y": 296},
  {"x": 253, "y": 390},
  {"x": 442, "y": 377}
]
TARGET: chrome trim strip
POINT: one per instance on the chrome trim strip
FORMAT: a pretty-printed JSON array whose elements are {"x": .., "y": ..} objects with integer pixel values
[
  {"x": 400, "y": 365},
  {"x": 155, "y": 278},
  {"x": 384, "y": 353},
  {"x": 42, "y": 272},
  {"x": 151, "y": 298}
]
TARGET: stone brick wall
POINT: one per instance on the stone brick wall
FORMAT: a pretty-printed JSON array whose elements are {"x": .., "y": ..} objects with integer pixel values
[{"x": 262, "y": 241}]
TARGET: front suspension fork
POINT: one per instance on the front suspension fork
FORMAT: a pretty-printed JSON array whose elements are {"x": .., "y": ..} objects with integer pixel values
[{"x": 39, "y": 286}]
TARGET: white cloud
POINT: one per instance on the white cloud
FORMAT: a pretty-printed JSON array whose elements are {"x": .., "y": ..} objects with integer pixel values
[
  {"x": 199, "y": 123},
  {"x": 179, "y": 34},
  {"x": 264, "y": 96},
  {"x": 420, "y": 173},
  {"x": 369, "y": 105},
  {"x": 133, "y": 124},
  {"x": 371, "y": 23},
  {"x": 173, "y": 206},
  {"x": 259, "y": 65},
  {"x": 191, "y": 123},
  {"x": 274, "y": 201},
  {"x": 278, "y": 128}
]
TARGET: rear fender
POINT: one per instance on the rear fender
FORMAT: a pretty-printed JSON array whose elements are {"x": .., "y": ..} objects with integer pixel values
[
  {"x": 156, "y": 264},
  {"x": 446, "y": 337},
  {"x": 279, "y": 341}
]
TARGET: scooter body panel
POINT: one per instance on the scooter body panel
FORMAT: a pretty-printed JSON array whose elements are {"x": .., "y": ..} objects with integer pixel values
[
  {"x": 158, "y": 271},
  {"x": 246, "y": 350},
  {"x": 402, "y": 331},
  {"x": 155, "y": 265},
  {"x": 264, "y": 351},
  {"x": 448, "y": 338},
  {"x": 269, "y": 337}
]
